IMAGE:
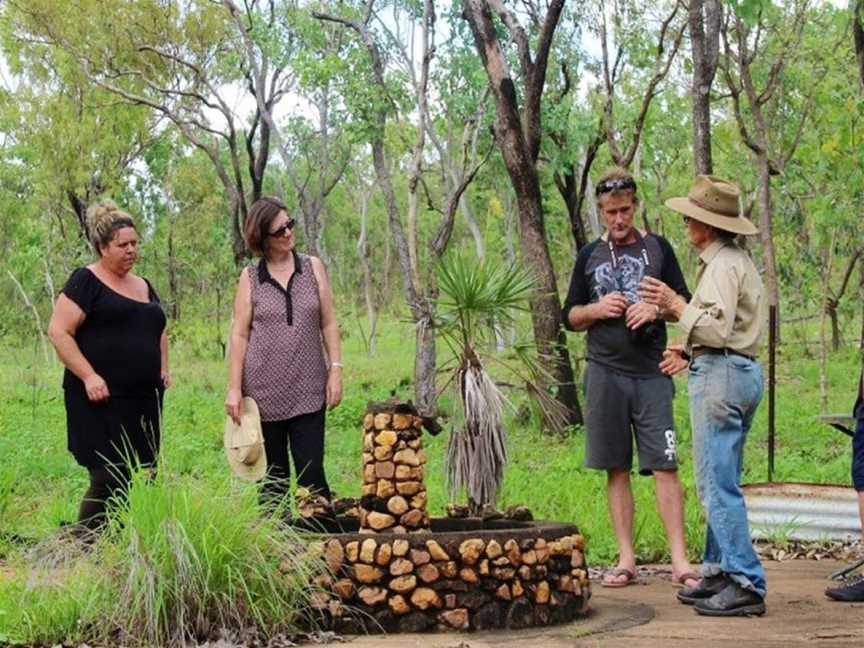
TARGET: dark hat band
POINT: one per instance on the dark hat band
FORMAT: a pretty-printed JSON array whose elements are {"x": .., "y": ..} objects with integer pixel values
[{"x": 713, "y": 208}]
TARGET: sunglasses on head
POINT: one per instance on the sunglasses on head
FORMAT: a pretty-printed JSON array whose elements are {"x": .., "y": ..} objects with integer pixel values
[
  {"x": 279, "y": 233},
  {"x": 615, "y": 184}
]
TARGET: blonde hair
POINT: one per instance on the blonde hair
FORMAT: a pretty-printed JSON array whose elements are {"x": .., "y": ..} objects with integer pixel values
[
  {"x": 620, "y": 179},
  {"x": 103, "y": 219}
]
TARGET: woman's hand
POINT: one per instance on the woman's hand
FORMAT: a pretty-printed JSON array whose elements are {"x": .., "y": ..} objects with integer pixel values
[
  {"x": 654, "y": 291},
  {"x": 97, "y": 388},
  {"x": 334, "y": 387},
  {"x": 165, "y": 376},
  {"x": 673, "y": 360},
  {"x": 232, "y": 404}
]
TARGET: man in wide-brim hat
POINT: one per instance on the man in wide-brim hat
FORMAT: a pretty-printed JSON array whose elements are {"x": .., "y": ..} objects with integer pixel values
[{"x": 722, "y": 326}]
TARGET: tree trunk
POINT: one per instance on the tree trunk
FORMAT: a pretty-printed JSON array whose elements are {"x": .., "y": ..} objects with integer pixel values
[
  {"x": 705, "y": 19},
  {"x": 766, "y": 234},
  {"x": 363, "y": 254},
  {"x": 519, "y": 150},
  {"x": 858, "y": 36},
  {"x": 173, "y": 289}
]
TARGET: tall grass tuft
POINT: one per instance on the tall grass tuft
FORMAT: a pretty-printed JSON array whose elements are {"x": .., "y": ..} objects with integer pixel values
[{"x": 180, "y": 562}]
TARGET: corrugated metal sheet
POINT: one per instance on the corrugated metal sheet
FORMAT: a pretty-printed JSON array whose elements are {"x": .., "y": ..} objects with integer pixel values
[{"x": 802, "y": 511}]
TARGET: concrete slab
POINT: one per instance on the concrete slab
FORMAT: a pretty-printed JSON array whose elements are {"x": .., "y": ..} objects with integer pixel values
[{"x": 647, "y": 614}]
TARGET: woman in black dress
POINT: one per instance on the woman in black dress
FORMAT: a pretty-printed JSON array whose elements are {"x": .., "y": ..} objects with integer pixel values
[{"x": 109, "y": 330}]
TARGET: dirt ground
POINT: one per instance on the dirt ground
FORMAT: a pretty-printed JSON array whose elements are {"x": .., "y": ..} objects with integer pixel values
[{"x": 647, "y": 614}]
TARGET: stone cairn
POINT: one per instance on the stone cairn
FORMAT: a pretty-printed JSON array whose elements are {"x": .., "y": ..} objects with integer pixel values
[
  {"x": 404, "y": 578},
  {"x": 394, "y": 496},
  {"x": 416, "y": 583}
]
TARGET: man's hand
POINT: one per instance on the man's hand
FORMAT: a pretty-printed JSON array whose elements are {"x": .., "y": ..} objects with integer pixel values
[
  {"x": 610, "y": 306},
  {"x": 673, "y": 360},
  {"x": 640, "y": 313}
]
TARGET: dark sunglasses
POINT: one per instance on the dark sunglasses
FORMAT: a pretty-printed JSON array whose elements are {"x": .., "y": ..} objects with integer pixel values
[
  {"x": 616, "y": 184},
  {"x": 279, "y": 233}
]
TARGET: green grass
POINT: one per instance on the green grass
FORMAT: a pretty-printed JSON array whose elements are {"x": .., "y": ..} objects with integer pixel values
[{"x": 40, "y": 484}]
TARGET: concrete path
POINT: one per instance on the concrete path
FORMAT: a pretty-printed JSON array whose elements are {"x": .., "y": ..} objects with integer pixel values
[{"x": 647, "y": 614}]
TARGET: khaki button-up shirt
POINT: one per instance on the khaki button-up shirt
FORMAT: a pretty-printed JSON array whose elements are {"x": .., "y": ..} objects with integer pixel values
[{"x": 727, "y": 308}]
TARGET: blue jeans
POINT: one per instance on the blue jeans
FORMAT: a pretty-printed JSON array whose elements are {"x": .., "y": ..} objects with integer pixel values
[{"x": 725, "y": 391}]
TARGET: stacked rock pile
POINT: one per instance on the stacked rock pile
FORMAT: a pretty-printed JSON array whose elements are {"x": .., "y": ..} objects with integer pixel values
[
  {"x": 394, "y": 496},
  {"x": 455, "y": 582}
]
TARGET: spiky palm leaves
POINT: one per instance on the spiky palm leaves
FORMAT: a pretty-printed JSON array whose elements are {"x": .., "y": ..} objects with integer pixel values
[{"x": 473, "y": 297}]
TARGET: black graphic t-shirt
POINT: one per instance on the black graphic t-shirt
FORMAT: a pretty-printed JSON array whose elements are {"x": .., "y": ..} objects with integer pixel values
[{"x": 600, "y": 271}]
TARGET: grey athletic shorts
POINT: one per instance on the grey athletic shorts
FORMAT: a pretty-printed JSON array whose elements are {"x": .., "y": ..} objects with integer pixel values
[{"x": 616, "y": 407}]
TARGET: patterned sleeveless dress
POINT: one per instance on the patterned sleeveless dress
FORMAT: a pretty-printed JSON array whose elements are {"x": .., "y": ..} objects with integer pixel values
[{"x": 285, "y": 370}]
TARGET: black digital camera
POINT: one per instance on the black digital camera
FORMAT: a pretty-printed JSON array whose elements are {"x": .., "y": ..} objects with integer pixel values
[{"x": 646, "y": 335}]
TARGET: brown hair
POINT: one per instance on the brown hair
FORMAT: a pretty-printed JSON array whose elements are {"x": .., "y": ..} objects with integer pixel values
[
  {"x": 256, "y": 229},
  {"x": 103, "y": 220},
  {"x": 615, "y": 176}
]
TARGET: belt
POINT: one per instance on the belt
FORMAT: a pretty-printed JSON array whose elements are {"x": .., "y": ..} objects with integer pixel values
[{"x": 703, "y": 350}]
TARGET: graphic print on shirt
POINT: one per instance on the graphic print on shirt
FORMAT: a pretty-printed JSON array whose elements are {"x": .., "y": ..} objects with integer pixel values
[{"x": 624, "y": 279}]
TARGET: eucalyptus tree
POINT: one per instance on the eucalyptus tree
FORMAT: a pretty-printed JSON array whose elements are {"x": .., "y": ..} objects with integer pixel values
[
  {"x": 705, "y": 20},
  {"x": 626, "y": 43},
  {"x": 315, "y": 154},
  {"x": 180, "y": 60},
  {"x": 376, "y": 107},
  {"x": 518, "y": 133},
  {"x": 760, "y": 42}
]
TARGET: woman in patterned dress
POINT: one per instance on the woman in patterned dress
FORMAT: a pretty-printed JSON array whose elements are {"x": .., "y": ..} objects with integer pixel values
[{"x": 285, "y": 350}]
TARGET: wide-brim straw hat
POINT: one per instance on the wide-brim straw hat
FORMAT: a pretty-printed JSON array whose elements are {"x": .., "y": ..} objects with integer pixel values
[
  {"x": 716, "y": 202},
  {"x": 244, "y": 443}
]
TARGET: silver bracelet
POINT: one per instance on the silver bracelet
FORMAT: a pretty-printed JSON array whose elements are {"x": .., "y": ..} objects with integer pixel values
[{"x": 336, "y": 364}]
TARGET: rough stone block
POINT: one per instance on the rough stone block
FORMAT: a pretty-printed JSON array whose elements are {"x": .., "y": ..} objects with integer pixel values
[
  {"x": 423, "y": 598},
  {"x": 386, "y": 438},
  {"x": 400, "y": 548},
  {"x": 379, "y": 521},
  {"x": 412, "y": 518},
  {"x": 457, "y": 619},
  {"x": 397, "y": 505},
  {"x": 385, "y": 487},
  {"x": 428, "y": 573},
  {"x": 385, "y": 552},
  {"x": 367, "y": 573},
  {"x": 403, "y": 584},
  {"x": 334, "y": 554},
  {"x": 398, "y": 604},
  {"x": 420, "y": 557},
  {"x": 367, "y": 550},
  {"x": 470, "y": 550},
  {"x": 468, "y": 575},
  {"x": 402, "y": 421},
  {"x": 344, "y": 588},
  {"x": 488, "y": 617},
  {"x": 382, "y": 453},
  {"x": 493, "y": 549},
  {"x": 381, "y": 421},
  {"x": 372, "y": 595},
  {"x": 384, "y": 469},
  {"x": 436, "y": 551},
  {"x": 368, "y": 422},
  {"x": 401, "y": 566},
  {"x": 408, "y": 488},
  {"x": 407, "y": 457},
  {"x": 352, "y": 550}
]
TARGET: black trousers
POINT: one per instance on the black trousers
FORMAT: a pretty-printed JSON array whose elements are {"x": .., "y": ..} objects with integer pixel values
[
  {"x": 304, "y": 436},
  {"x": 105, "y": 482}
]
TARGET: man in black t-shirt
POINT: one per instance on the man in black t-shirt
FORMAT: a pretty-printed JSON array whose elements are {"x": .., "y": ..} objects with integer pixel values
[{"x": 624, "y": 387}]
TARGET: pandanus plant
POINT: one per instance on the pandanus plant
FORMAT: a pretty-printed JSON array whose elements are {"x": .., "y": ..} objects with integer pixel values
[{"x": 474, "y": 299}]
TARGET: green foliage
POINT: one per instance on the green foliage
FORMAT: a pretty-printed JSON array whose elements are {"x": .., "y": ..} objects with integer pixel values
[
  {"x": 180, "y": 561},
  {"x": 474, "y": 296}
]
